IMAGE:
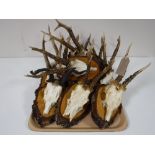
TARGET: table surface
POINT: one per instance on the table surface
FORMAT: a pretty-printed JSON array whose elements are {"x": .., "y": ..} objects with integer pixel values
[{"x": 17, "y": 95}]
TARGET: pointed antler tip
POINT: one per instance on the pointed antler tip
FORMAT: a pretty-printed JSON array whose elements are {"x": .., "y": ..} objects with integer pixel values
[
  {"x": 119, "y": 38},
  {"x": 56, "y": 28},
  {"x": 43, "y": 39},
  {"x": 48, "y": 27},
  {"x": 130, "y": 46},
  {"x": 128, "y": 50},
  {"x": 145, "y": 67},
  {"x": 57, "y": 20},
  {"x": 45, "y": 33},
  {"x": 131, "y": 77},
  {"x": 103, "y": 39},
  {"x": 31, "y": 76},
  {"x": 104, "y": 36}
]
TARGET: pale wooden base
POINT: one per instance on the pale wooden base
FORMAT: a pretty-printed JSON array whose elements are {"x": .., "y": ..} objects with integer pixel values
[{"x": 85, "y": 125}]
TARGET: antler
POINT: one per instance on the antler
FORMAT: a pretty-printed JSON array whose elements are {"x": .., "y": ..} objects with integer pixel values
[
  {"x": 77, "y": 37},
  {"x": 53, "y": 42},
  {"x": 39, "y": 73},
  {"x": 36, "y": 76},
  {"x": 108, "y": 68},
  {"x": 57, "y": 59},
  {"x": 62, "y": 41},
  {"x": 48, "y": 65},
  {"x": 131, "y": 77},
  {"x": 128, "y": 50},
  {"x": 60, "y": 50},
  {"x": 120, "y": 77},
  {"x": 87, "y": 42},
  {"x": 102, "y": 52},
  {"x": 69, "y": 30},
  {"x": 92, "y": 45},
  {"x": 65, "y": 54},
  {"x": 116, "y": 50}
]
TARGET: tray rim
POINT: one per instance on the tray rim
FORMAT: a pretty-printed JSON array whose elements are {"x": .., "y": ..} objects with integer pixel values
[{"x": 38, "y": 129}]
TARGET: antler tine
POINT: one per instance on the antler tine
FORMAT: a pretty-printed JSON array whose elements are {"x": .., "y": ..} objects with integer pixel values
[
  {"x": 61, "y": 45},
  {"x": 101, "y": 48},
  {"x": 92, "y": 44},
  {"x": 60, "y": 41},
  {"x": 102, "y": 52},
  {"x": 87, "y": 42},
  {"x": 131, "y": 77},
  {"x": 48, "y": 65},
  {"x": 43, "y": 71},
  {"x": 94, "y": 51},
  {"x": 32, "y": 76},
  {"x": 53, "y": 42},
  {"x": 116, "y": 50},
  {"x": 128, "y": 50},
  {"x": 39, "y": 71},
  {"x": 60, "y": 50},
  {"x": 57, "y": 59},
  {"x": 70, "y": 31},
  {"x": 65, "y": 54},
  {"x": 108, "y": 68},
  {"x": 120, "y": 77},
  {"x": 36, "y": 76},
  {"x": 91, "y": 49},
  {"x": 77, "y": 37}
]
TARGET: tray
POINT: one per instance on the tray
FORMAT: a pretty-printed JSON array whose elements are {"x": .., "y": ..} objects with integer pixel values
[{"x": 85, "y": 125}]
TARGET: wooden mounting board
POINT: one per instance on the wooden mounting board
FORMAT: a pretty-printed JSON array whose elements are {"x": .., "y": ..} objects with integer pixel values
[{"x": 85, "y": 125}]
